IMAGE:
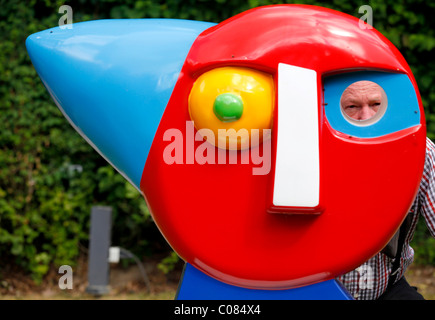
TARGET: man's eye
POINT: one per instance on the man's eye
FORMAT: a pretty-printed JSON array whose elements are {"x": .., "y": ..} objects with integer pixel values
[{"x": 352, "y": 106}]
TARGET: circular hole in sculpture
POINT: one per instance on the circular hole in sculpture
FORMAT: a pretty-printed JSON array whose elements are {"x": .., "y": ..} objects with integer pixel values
[{"x": 363, "y": 103}]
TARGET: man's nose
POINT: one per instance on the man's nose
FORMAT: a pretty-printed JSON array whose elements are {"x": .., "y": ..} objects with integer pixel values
[{"x": 366, "y": 112}]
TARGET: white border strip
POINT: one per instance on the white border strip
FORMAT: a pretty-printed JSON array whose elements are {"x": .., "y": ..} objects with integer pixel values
[{"x": 297, "y": 155}]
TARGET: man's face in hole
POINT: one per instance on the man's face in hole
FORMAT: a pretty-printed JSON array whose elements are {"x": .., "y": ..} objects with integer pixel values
[{"x": 361, "y": 100}]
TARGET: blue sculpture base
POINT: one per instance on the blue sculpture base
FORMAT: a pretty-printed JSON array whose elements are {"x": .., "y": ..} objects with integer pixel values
[{"x": 196, "y": 285}]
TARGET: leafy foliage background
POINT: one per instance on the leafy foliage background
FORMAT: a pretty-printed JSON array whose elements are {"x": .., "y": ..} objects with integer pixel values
[{"x": 50, "y": 177}]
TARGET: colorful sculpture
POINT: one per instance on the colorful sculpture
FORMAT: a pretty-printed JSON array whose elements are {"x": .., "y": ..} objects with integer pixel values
[{"x": 236, "y": 136}]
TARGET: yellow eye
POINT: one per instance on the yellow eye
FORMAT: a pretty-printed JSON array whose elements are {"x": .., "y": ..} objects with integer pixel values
[{"x": 236, "y": 104}]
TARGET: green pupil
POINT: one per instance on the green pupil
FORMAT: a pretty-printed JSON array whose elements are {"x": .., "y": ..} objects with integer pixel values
[{"x": 228, "y": 107}]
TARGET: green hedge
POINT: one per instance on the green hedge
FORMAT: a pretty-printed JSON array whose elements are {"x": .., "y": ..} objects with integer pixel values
[{"x": 50, "y": 177}]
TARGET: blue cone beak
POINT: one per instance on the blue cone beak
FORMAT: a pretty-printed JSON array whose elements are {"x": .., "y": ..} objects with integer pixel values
[{"x": 112, "y": 80}]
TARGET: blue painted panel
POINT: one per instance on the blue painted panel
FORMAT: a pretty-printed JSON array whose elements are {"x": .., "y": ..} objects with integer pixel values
[
  {"x": 195, "y": 285},
  {"x": 402, "y": 111},
  {"x": 112, "y": 79}
]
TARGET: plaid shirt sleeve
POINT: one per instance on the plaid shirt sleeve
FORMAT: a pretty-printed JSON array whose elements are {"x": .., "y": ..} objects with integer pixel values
[{"x": 427, "y": 188}]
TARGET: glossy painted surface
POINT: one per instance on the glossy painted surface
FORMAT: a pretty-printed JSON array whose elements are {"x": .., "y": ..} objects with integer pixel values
[
  {"x": 221, "y": 217},
  {"x": 112, "y": 80},
  {"x": 254, "y": 88},
  {"x": 297, "y": 161}
]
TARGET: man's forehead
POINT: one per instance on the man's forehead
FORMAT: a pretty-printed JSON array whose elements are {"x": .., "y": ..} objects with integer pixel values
[{"x": 363, "y": 86}]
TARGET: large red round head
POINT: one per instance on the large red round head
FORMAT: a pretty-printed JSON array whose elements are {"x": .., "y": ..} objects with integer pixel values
[{"x": 261, "y": 174}]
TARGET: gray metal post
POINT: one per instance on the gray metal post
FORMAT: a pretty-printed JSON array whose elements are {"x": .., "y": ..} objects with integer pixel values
[{"x": 99, "y": 244}]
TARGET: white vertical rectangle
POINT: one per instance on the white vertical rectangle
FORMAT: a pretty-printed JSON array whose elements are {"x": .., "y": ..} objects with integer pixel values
[{"x": 297, "y": 156}]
